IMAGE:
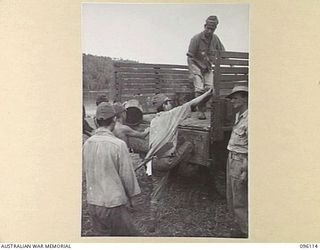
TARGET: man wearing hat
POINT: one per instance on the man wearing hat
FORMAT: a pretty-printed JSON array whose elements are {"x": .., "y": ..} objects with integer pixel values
[
  {"x": 110, "y": 177},
  {"x": 123, "y": 131},
  {"x": 100, "y": 98},
  {"x": 237, "y": 163},
  {"x": 200, "y": 57},
  {"x": 167, "y": 153}
]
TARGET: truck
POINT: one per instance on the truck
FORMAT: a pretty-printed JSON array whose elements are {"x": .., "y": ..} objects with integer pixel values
[{"x": 141, "y": 81}]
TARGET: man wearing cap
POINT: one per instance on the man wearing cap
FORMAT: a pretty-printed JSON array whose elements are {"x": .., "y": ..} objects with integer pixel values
[
  {"x": 237, "y": 163},
  {"x": 200, "y": 57},
  {"x": 123, "y": 131},
  {"x": 164, "y": 146},
  {"x": 110, "y": 177},
  {"x": 100, "y": 98}
]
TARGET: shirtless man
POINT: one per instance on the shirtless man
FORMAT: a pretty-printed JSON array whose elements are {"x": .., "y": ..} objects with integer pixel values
[{"x": 123, "y": 131}]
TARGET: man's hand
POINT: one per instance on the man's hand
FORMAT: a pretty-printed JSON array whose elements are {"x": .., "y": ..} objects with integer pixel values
[
  {"x": 205, "y": 96},
  {"x": 147, "y": 131},
  {"x": 210, "y": 91},
  {"x": 129, "y": 206},
  {"x": 244, "y": 176}
]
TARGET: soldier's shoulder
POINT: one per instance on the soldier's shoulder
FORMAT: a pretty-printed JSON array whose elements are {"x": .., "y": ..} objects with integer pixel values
[
  {"x": 215, "y": 36},
  {"x": 196, "y": 36}
]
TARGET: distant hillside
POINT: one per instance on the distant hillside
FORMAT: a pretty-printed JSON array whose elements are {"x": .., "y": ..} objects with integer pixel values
[{"x": 98, "y": 72}]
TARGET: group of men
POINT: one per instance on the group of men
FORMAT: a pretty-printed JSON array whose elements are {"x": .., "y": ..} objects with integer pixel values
[{"x": 110, "y": 174}]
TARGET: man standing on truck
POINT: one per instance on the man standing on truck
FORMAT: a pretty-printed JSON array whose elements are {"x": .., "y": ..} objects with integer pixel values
[
  {"x": 200, "y": 58},
  {"x": 111, "y": 180},
  {"x": 123, "y": 131},
  {"x": 237, "y": 163},
  {"x": 163, "y": 144}
]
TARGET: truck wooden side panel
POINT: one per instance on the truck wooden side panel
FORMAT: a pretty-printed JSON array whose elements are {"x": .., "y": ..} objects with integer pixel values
[{"x": 141, "y": 81}]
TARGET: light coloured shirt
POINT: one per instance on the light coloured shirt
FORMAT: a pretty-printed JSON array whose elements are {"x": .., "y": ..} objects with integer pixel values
[
  {"x": 239, "y": 137},
  {"x": 109, "y": 171},
  {"x": 201, "y": 47},
  {"x": 163, "y": 128}
]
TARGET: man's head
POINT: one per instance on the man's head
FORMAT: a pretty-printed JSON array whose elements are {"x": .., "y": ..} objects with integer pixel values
[
  {"x": 101, "y": 98},
  {"x": 239, "y": 98},
  {"x": 121, "y": 112},
  {"x": 162, "y": 103},
  {"x": 106, "y": 115},
  {"x": 211, "y": 25}
]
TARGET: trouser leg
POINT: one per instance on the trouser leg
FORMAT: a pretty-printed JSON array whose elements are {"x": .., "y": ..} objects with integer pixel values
[
  {"x": 121, "y": 222},
  {"x": 229, "y": 193},
  {"x": 237, "y": 193},
  {"x": 240, "y": 204},
  {"x": 161, "y": 172},
  {"x": 182, "y": 153},
  {"x": 99, "y": 216},
  {"x": 201, "y": 107},
  {"x": 159, "y": 183},
  {"x": 115, "y": 221}
]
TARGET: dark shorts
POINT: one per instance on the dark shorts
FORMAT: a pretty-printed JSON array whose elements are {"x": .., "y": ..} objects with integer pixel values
[{"x": 115, "y": 221}]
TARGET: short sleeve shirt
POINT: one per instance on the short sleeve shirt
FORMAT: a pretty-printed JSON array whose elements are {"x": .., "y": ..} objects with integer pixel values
[
  {"x": 163, "y": 128},
  {"x": 239, "y": 137},
  {"x": 200, "y": 46},
  {"x": 109, "y": 170}
]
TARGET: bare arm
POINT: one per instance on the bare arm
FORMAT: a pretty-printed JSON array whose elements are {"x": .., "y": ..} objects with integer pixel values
[
  {"x": 194, "y": 102},
  {"x": 133, "y": 133}
]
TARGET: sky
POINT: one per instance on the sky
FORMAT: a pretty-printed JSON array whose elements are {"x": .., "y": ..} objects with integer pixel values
[{"x": 159, "y": 33}]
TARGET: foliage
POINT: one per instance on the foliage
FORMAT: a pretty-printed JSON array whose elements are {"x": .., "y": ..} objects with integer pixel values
[{"x": 98, "y": 72}]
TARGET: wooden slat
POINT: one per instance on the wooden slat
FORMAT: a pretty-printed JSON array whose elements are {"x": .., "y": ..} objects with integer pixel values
[
  {"x": 234, "y": 62},
  {"x": 138, "y": 91},
  {"x": 224, "y": 92},
  {"x": 135, "y": 70},
  {"x": 132, "y": 75},
  {"x": 176, "y": 81},
  {"x": 136, "y": 80},
  {"x": 153, "y": 81},
  {"x": 230, "y": 54},
  {"x": 230, "y": 85},
  {"x": 139, "y": 85},
  {"x": 151, "y": 71},
  {"x": 234, "y": 78},
  {"x": 176, "y": 90},
  {"x": 176, "y": 85},
  {"x": 227, "y": 85},
  {"x": 232, "y": 70},
  {"x": 172, "y": 71},
  {"x": 154, "y": 86},
  {"x": 130, "y": 96},
  {"x": 148, "y": 65},
  {"x": 128, "y": 91},
  {"x": 175, "y": 77},
  {"x": 152, "y": 76}
]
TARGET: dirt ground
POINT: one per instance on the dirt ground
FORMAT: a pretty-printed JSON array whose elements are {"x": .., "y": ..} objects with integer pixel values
[{"x": 194, "y": 205}]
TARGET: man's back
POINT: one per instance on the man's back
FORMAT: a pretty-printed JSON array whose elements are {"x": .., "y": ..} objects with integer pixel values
[
  {"x": 109, "y": 171},
  {"x": 121, "y": 131}
]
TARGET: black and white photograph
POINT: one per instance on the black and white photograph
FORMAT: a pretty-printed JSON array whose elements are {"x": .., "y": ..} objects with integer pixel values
[{"x": 165, "y": 92}]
